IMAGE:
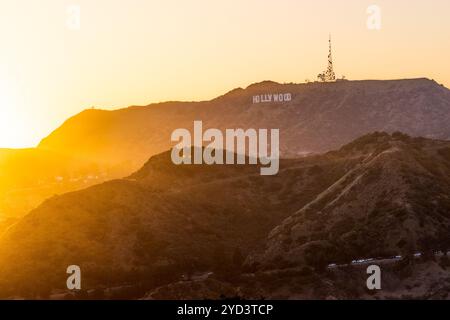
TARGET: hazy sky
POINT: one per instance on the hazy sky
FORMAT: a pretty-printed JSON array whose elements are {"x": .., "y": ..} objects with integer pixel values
[{"x": 134, "y": 52}]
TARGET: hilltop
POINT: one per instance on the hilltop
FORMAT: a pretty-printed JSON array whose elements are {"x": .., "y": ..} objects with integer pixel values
[{"x": 320, "y": 117}]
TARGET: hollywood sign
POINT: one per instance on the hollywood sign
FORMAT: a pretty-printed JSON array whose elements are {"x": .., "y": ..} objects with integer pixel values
[{"x": 272, "y": 97}]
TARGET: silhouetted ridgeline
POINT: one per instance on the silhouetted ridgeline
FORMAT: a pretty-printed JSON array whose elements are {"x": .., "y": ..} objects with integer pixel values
[{"x": 320, "y": 117}]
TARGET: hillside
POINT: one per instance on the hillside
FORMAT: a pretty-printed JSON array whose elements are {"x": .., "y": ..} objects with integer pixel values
[
  {"x": 379, "y": 195},
  {"x": 319, "y": 118},
  {"x": 396, "y": 200},
  {"x": 151, "y": 227}
]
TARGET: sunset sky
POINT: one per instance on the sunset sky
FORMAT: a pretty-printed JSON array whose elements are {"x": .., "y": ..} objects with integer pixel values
[{"x": 136, "y": 52}]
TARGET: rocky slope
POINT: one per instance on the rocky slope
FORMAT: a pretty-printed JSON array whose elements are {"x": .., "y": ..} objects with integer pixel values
[{"x": 395, "y": 200}]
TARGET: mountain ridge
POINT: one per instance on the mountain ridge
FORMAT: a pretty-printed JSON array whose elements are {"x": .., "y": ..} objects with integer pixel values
[
  {"x": 320, "y": 117},
  {"x": 317, "y": 108}
]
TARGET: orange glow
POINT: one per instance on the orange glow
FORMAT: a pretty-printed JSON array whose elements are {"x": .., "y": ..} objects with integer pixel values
[{"x": 147, "y": 51}]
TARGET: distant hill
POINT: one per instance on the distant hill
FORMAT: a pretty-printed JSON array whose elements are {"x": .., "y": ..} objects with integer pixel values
[
  {"x": 97, "y": 145},
  {"x": 379, "y": 195},
  {"x": 320, "y": 117}
]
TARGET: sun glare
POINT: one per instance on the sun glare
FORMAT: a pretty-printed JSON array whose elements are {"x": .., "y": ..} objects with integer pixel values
[{"x": 13, "y": 131}]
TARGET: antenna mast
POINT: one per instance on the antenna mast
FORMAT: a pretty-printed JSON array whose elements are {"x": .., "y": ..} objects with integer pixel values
[{"x": 328, "y": 75}]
